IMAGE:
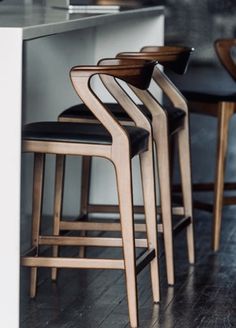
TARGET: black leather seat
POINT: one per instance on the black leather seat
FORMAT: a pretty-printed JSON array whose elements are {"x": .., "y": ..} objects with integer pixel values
[
  {"x": 208, "y": 84},
  {"x": 83, "y": 133},
  {"x": 175, "y": 115},
  {"x": 210, "y": 97}
]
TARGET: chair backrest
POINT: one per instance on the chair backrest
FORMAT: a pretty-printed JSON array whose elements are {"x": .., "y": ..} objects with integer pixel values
[
  {"x": 175, "y": 58},
  {"x": 136, "y": 73},
  {"x": 223, "y": 48}
]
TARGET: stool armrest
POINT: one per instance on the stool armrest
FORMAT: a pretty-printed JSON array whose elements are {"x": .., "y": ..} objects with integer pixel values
[
  {"x": 170, "y": 90},
  {"x": 81, "y": 84},
  {"x": 126, "y": 102}
]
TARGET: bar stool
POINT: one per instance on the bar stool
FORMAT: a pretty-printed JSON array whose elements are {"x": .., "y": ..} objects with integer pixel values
[
  {"x": 222, "y": 105},
  {"x": 109, "y": 140},
  {"x": 166, "y": 122}
]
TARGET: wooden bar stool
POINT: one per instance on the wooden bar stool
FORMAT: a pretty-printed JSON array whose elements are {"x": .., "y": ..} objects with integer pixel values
[
  {"x": 166, "y": 122},
  {"x": 112, "y": 141},
  {"x": 222, "y": 105}
]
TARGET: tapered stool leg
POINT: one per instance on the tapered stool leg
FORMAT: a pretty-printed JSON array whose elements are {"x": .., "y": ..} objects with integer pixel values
[
  {"x": 124, "y": 183},
  {"x": 225, "y": 112},
  {"x": 186, "y": 181},
  {"x": 163, "y": 162},
  {"x": 39, "y": 160},
  {"x": 149, "y": 195}
]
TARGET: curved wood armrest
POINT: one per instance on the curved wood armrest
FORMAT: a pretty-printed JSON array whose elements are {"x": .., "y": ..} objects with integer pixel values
[{"x": 223, "y": 49}]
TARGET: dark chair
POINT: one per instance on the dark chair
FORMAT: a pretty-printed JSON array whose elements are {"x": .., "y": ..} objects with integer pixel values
[
  {"x": 110, "y": 140},
  {"x": 219, "y": 103},
  {"x": 166, "y": 122}
]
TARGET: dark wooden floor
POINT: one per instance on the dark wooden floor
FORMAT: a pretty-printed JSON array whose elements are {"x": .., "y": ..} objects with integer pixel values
[{"x": 204, "y": 294}]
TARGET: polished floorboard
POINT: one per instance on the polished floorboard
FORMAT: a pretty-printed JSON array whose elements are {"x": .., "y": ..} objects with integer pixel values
[{"x": 204, "y": 294}]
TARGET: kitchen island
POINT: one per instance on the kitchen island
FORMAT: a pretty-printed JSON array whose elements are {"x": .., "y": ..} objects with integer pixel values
[{"x": 39, "y": 45}]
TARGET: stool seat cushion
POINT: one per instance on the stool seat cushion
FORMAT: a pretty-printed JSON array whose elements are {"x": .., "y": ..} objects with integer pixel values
[
  {"x": 175, "y": 115},
  {"x": 209, "y": 97},
  {"x": 86, "y": 133}
]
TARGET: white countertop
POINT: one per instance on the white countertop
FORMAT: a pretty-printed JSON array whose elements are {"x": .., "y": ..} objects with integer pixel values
[{"x": 38, "y": 21}]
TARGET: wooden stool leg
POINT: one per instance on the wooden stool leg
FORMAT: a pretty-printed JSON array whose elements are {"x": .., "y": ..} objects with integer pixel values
[
  {"x": 58, "y": 201},
  {"x": 163, "y": 163},
  {"x": 124, "y": 183},
  {"x": 224, "y": 114},
  {"x": 149, "y": 195},
  {"x": 39, "y": 160},
  {"x": 186, "y": 180}
]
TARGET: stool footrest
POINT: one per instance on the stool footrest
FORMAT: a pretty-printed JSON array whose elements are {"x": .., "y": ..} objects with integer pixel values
[
  {"x": 86, "y": 241},
  {"x": 85, "y": 263},
  {"x": 70, "y": 263},
  {"x": 138, "y": 209},
  {"x": 102, "y": 226}
]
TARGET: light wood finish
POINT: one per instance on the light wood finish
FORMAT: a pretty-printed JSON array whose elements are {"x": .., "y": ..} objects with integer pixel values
[
  {"x": 138, "y": 209},
  {"x": 110, "y": 225},
  {"x": 147, "y": 170},
  {"x": 87, "y": 241},
  {"x": 183, "y": 143},
  {"x": 161, "y": 138},
  {"x": 119, "y": 153},
  {"x": 74, "y": 263},
  {"x": 39, "y": 160},
  {"x": 58, "y": 201},
  {"x": 166, "y": 55},
  {"x": 160, "y": 135},
  {"x": 223, "y": 111}
]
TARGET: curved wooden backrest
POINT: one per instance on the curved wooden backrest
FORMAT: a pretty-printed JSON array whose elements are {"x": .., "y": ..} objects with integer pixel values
[
  {"x": 175, "y": 58},
  {"x": 139, "y": 73},
  {"x": 223, "y": 48},
  {"x": 135, "y": 72}
]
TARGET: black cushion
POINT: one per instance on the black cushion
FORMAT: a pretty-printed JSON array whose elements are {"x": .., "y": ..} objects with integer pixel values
[
  {"x": 175, "y": 118},
  {"x": 87, "y": 133},
  {"x": 205, "y": 83},
  {"x": 175, "y": 115},
  {"x": 209, "y": 97}
]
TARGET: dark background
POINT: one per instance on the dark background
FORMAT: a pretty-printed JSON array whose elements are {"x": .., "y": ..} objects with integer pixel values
[{"x": 197, "y": 23}]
